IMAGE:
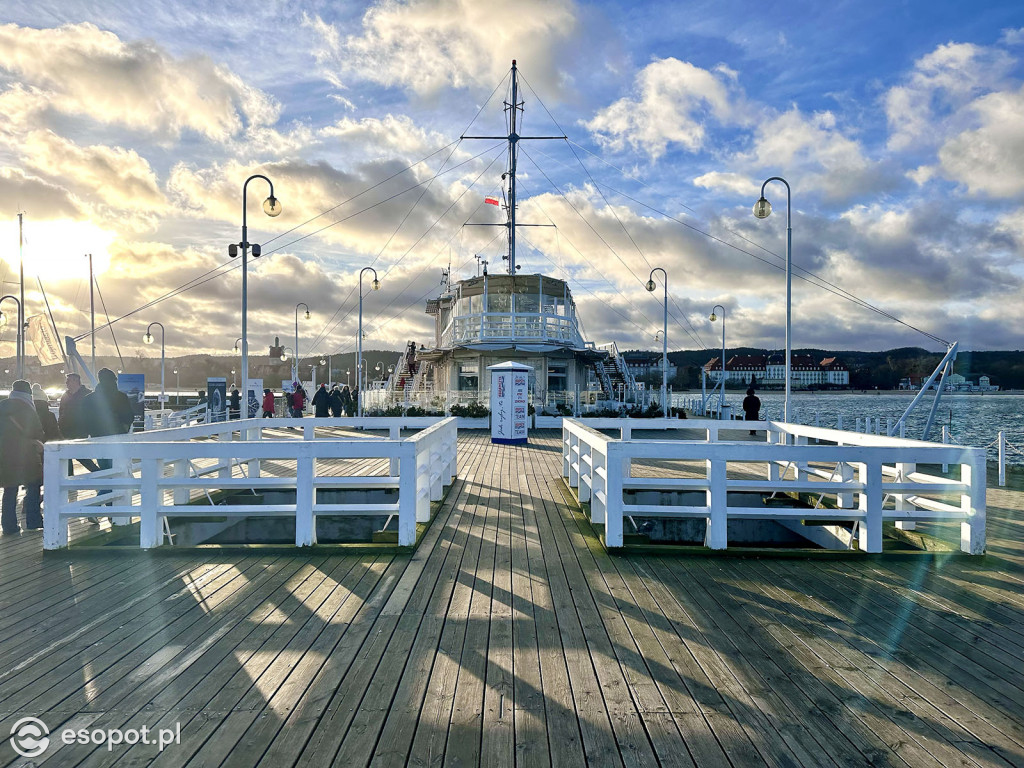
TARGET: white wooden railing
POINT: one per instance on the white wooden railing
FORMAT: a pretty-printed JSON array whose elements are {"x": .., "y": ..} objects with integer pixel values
[
  {"x": 862, "y": 472},
  {"x": 154, "y": 472}
]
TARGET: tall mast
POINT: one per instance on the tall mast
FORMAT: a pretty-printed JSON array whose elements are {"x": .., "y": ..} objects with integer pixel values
[
  {"x": 513, "y": 107},
  {"x": 22, "y": 315},
  {"x": 513, "y": 157}
]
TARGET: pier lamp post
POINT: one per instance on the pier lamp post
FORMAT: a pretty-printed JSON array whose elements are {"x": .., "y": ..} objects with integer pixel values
[
  {"x": 348, "y": 377},
  {"x": 762, "y": 210},
  {"x": 177, "y": 388},
  {"x": 148, "y": 339},
  {"x": 721, "y": 395},
  {"x": 233, "y": 372},
  {"x": 19, "y": 336},
  {"x": 271, "y": 207},
  {"x": 236, "y": 349},
  {"x": 651, "y": 285},
  {"x": 359, "y": 337},
  {"x": 327, "y": 359},
  {"x": 379, "y": 368},
  {"x": 295, "y": 368}
]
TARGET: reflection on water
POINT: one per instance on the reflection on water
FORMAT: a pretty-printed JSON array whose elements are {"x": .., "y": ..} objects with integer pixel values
[{"x": 972, "y": 419}]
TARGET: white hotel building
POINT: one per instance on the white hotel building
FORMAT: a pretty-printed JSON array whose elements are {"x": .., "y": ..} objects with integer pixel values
[{"x": 770, "y": 370}]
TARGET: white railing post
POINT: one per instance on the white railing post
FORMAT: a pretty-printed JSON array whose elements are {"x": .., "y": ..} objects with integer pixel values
[
  {"x": 150, "y": 533},
  {"x": 972, "y": 503},
  {"x": 55, "y": 528},
  {"x": 871, "y": 506},
  {"x": 717, "y": 523},
  {"x": 253, "y": 434},
  {"x": 904, "y": 470},
  {"x": 598, "y": 486},
  {"x": 394, "y": 433},
  {"x": 305, "y": 498},
  {"x": 613, "y": 494},
  {"x": 407, "y": 496},
  {"x": 1002, "y": 458},
  {"x": 123, "y": 467},
  {"x": 586, "y": 471},
  {"x": 180, "y": 493},
  {"x": 845, "y": 500},
  {"x": 945, "y": 441}
]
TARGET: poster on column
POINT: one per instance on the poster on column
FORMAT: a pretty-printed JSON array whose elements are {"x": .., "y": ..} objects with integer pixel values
[
  {"x": 510, "y": 384},
  {"x": 216, "y": 402},
  {"x": 134, "y": 386},
  {"x": 253, "y": 397}
]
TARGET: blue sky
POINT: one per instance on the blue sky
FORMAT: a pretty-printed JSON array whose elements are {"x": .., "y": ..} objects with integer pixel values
[{"x": 900, "y": 126}]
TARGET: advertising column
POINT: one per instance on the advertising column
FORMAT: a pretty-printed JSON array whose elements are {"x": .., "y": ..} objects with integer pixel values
[
  {"x": 217, "y": 396},
  {"x": 510, "y": 384}
]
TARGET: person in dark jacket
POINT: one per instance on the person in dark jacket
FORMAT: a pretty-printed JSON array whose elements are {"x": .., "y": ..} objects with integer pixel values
[
  {"x": 751, "y": 407},
  {"x": 234, "y": 404},
  {"x": 268, "y": 403},
  {"x": 71, "y": 417},
  {"x": 21, "y": 458},
  {"x": 346, "y": 401},
  {"x": 42, "y": 404},
  {"x": 321, "y": 402},
  {"x": 108, "y": 412},
  {"x": 335, "y": 402}
]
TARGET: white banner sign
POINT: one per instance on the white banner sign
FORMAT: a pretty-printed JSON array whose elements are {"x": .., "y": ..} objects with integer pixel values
[{"x": 41, "y": 334}]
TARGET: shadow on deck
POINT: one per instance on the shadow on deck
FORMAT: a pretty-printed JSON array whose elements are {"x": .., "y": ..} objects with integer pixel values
[{"x": 510, "y": 637}]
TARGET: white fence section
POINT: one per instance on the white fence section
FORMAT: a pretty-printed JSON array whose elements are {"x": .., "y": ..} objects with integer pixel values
[
  {"x": 861, "y": 471},
  {"x": 152, "y": 473}
]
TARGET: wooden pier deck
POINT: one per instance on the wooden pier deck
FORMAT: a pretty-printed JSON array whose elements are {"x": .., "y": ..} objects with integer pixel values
[{"x": 511, "y": 638}]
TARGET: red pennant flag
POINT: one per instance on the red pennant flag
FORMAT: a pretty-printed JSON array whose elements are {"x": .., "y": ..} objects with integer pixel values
[{"x": 492, "y": 200}]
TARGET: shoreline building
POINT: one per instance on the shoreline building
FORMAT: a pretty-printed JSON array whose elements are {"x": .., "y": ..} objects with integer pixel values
[{"x": 769, "y": 370}]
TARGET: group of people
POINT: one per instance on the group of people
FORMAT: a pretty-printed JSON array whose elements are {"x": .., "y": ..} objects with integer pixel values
[
  {"x": 336, "y": 401},
  {"x": 26, "y": 422}
]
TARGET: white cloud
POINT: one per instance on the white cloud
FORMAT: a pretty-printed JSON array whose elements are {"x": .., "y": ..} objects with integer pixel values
[
  {"x": 815, "y": 150},
  {"x": 672, "y": 104},
  {"x": 942, "y": 82},
  {"x": 86, "y": 71},
  {"x": 119, "y": 177},
  {"x": 990, "y": 158},
  {"x": 735, "y": 183},
  {"x": 427, "y": 45}
]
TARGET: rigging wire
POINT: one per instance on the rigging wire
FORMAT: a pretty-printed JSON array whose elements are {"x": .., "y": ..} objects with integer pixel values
[
  {"x": 808, "y": 276},
  {"x": 230, "y": 266},
  {"x": 109, "y": 324},
  {"x": 455, "y": 234},
  {"x": 323, "y": 334}
]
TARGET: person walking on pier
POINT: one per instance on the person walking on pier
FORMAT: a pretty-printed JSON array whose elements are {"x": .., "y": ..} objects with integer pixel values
[
  {"x": 21, "y": 458},
  {"x": 108, "y": 412},
  {"x": 298, "y": 401},
  {"x": 71, "y": 417},
  {"x": 321, "y": 402},
  {"x": 751, "y": 407},
  {"x": 268, "y": 403},
  {"x": 234, "y": 404},
  {"x": 347, "y": 404},
  {"x": 335, "y": 401},
  {"x": 42, "y": 404}
]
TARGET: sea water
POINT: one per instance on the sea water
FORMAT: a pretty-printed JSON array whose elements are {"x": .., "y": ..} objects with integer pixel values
[{"x": 972, "y": 419}]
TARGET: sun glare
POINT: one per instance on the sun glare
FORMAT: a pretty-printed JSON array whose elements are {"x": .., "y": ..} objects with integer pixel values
[{"x": 55, "y": 250}]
